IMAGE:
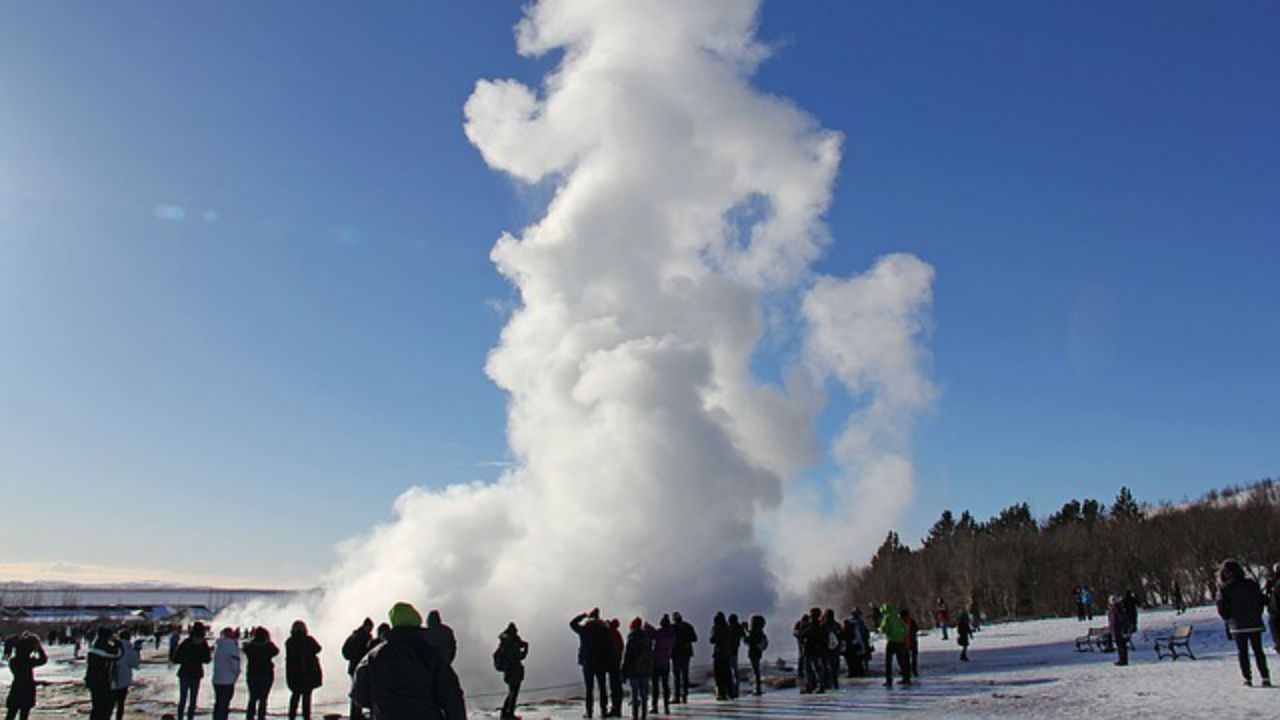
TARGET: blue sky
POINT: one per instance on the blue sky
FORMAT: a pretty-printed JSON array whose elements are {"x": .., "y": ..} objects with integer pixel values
[{"x": 245, "y": 295}]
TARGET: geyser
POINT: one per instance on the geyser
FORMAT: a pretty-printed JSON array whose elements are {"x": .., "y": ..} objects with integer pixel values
[{"x": 654, "y": 470}]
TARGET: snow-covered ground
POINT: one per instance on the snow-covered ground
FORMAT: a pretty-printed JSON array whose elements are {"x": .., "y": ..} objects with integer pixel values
[{"x": 1023, "y": 670}]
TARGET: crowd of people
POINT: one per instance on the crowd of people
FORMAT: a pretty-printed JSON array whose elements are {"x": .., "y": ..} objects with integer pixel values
[{"x": 403, "y": 667}]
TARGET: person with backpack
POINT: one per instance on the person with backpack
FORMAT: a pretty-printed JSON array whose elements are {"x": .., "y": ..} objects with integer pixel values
[
  {"x": 595, "y": 650},
  {"x": 123, "y": 675},
  {"x": 354, "y": 649},
  {"x": 664, "y": 641},
  {"x": 26, "y": 656},
  {"x": 1240, "y": 603},
  {"x": 681, "y": 655},
  {"x": 99, "y": 672},
  {"x": 637, "y": 665},
  {"x": 190, "y": 655},
  {"x": 757, "y": 643},
  {"x": 226, "y": 672},
  {"x": 508, "y": 659},
  {"x": 260, "y": 672},
  {"x": 963, "y": 634},
  {"x": 405, "y": 677},
  {"x": 302, "y": 672},
  {"x": 895, "y": 635}
]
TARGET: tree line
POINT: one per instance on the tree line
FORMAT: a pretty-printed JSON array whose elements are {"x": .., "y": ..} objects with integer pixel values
[{"x": 1015, "y": 565}]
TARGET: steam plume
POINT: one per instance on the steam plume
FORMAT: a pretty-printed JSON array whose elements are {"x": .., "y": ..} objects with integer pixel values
[{"x": 654, "y": 468}]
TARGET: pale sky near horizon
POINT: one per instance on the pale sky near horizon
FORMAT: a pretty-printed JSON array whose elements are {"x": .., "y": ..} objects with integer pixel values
[{"x": 245, "y": 293}]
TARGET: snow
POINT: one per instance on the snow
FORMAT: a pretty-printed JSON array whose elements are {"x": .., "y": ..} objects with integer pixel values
[{"x": 1023, "y": 670}]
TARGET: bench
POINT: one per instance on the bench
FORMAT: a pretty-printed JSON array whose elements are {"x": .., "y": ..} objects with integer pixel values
[
  {"x": 1180, "y": 638},
  {"x": 1097, "y": 638}
]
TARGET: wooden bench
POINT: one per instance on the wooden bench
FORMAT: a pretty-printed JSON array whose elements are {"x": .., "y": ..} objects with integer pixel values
[
  {"x": 1181, "y": 638},
  {"x": 1097, "y": 638}
]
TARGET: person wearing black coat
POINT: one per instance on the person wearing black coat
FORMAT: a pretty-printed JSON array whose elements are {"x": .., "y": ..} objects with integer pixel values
[
  {"x": 260, "y": 672},
  {"x": 681, "y": 655},
  {"x": 637, "y": 666},
  {"x": 441, "y": 637},
  {"x": 722, "y": 646},
  {"x": 1240, "y": 603},
  {"x": 98, "y": 673},
  {"x": 27, "y": 655},
  {"x": 737, "y": 633},
  {"x": 509, "y": 659},
  {"x": 357, "y": 645},
  {"x": 816, "y": 645},
  {"x": 191, "y": 655},
  {"x": 1130, "y": 604},
  {"x": 757, "y": 643},
  {"x": 301, "y": 669},
  {"x": 595, "y": 653},
  {"x": 405, "y": 678}
]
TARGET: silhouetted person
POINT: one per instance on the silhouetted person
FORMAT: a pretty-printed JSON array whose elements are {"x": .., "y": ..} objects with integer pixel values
[
  {"x": 681, "y": 655},
  {"x": 664, "y": 643},
  {"x": 405, "y": 678},
  {"x": 508, "y": 659},
  {"x": 815, "y": 652},
  {"x": 27, "y": 655},
  {"x": 1130, "y": 604},
  {"x": 260, "y": 672},
  {"x": 722, "y": 656},
  {"x": 912, "y": 641},
  {"x": 356, "y": 646},
  {"x": 615, "y": 667},
  {"x": 103, "y": 655},
  {"x": 440, "y": 636},
  {"x": 301, "y": 669},
  {"x": 1240, "y": 603},
  {"x": 963, "y": 635},
  {"x": 637, "y": 665},
  {"x": 595, "y": 650},
  {"x": 1118, "y": 624},
  {"x": 190, "y": 656},
  {"x": 831, "y": 653},
  {"x": 757, "y": 643}
]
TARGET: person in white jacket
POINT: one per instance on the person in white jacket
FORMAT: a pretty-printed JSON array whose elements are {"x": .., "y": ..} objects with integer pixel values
[
  {"x": 226, "y": 671},
  {"x": 123, "y": 674}
]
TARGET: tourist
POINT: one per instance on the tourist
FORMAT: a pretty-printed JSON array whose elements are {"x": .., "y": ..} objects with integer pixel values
[
  {"x": 260, "y": 672},
  {"x": 637, "y": 665},
  {"x": 354, "y": 649},
  {"x": 682, "y": 655},
  {"x": 190, "y": 656},
  {"x": 99, "y": 673},
  {"x": 942, "y": 616},
  {"x": 440, "y": 637},
  {"x": 508, "y": 659},
  {"x": 664, "y": 641},
  {"x": 595, "y": 647},
  {"x": 301, "y": 669},
  {"x": 122, "y": 677},
  {"x": 405, "y": 678},
  {"x": 963, "y": 635},
  {"x": 1240, "y": 603},
  {"x": 1118, "y": 624},
  {"x": 895, "y": 647},
  {"x": 27, "y": 655},
  {"x": 226, "y": 672},
  {"x": 757, "y": 643}
]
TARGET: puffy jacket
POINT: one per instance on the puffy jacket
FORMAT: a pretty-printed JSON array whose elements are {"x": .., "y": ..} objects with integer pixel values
[
  {"x": 356, "y": 647},
  {"x": 1240, "y": 603},
  {"x": 595, "y": 643},
  {"x": 99, "y": 666},
  {"x": 226, "y": 661},
  {"x": 128, "y": 662},
  {"x": 404, "y": 678},
  {"x": 891, "y": 625},
  {"x": 191, "y": 656},
  {"x": 259, "y": 665},
  {"x": 638, "y": 659},
  {"x": 441, "y": 638},
  {"x": 302, "y": 663}
]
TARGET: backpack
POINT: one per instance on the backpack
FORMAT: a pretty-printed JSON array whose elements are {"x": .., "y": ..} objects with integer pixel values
[{"x": 504, "y": 658}]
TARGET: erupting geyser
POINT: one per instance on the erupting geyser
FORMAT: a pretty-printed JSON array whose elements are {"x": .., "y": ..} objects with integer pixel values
[{"x": 653, "y": 466}]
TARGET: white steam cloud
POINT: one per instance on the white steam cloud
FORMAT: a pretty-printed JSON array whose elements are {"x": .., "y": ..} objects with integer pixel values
[{"x": 655, "y": 470}]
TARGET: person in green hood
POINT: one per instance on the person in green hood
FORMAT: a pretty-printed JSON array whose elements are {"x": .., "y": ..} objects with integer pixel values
[{"x": 895, "y": 634}]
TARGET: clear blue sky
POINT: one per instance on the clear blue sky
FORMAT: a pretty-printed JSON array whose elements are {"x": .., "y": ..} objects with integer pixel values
[{"x": 245, "y": 296}]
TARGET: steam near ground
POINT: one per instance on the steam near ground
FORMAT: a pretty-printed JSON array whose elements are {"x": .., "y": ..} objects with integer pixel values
[{"x": 655, "y": 470}]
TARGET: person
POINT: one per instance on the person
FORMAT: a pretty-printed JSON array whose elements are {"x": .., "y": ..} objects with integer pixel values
[
  {"x": 815, "y": 651},
  {"x": 942, "y": 616},
  {"x": 260, "y": 672},
  {"x": 383, "y": 629},
  {"x": 190, "y": 656},
  {"x": 1272, "y": 593},
  {"x": 508, "y": 659},
  {"x": 1086, "y": 599},
  {"x": 595, "y": 648},
  {"x": 354, "y": 649},
  {"x": 1180, "y": 603},
  {"x": 98, "y": 673},
  {"x": 913, "y": 641},
  {"x": 737, "y": 633},
  {"x": 1240, "y": 603},
  {"x": 226, "y": 671},
  {"x": 122, "y": 676},
  {"x": 721, "y": 641},
  {"x": 800, "y": 631},
  {"x": 27, "y": 655},
  {"x": 834, "y": 648},
  {"x": 852, "y": 644},
  {"x": 302, "y": 672},
  {"x": 1118, "y": 623},
  {"x": 963, "y": 634},
  {"x": 1077, "y": 596},
  {"x": 664, "y": 641},
  {"x": 1130, "y": 605},
  {"x": 682, "y": 655},
  {"x": 614, "y": 671},
  {"x": 440, "y": 636},
  {"x": 405, "y": 678},
  {"x": 637, "y": 665},
  {"x": 895, "y": 634},
  {"x": 757, "y": 643}
]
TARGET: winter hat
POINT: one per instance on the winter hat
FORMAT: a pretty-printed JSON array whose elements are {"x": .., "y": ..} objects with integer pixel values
[
  {"x": 404, "y": 615},
  {"x": 637, "y": 623}
]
